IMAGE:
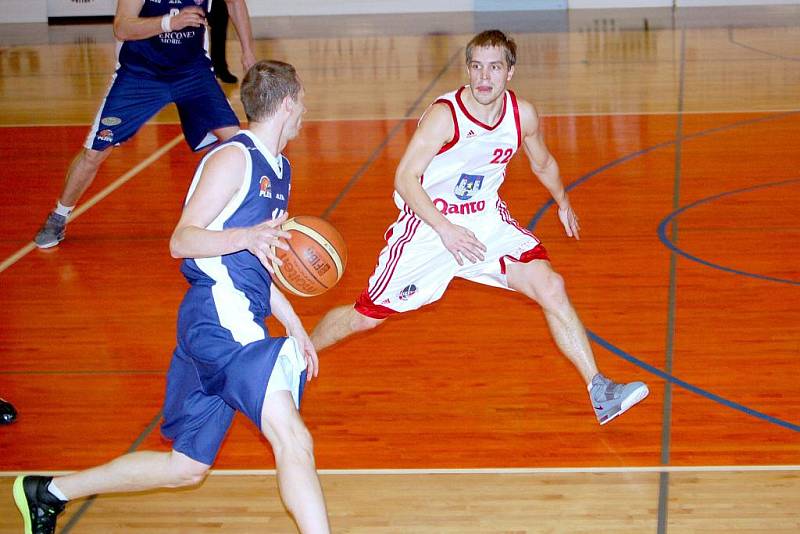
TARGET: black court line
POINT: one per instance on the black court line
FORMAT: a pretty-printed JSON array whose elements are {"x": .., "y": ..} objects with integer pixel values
[
  {"x": 666, "y": 421},
  {"x": 733, "y": 40},
  {"x": 372, "y": 157},
  {"x": 88, "y": 503},
  {"x": 350, "y": 184}
]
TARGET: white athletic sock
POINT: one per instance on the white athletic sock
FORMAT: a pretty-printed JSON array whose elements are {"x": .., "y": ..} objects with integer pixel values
[
  {"x": 52, "y": 488},
  {"x": 63, "y": 210}
]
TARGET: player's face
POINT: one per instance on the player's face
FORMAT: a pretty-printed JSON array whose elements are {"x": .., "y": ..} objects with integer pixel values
[
  {"x": 488, "y": 73},
  {"x": 296, "y": 115}
]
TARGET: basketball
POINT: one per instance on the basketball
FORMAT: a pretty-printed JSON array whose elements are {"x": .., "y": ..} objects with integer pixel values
[{"x": 316, "y": 257}]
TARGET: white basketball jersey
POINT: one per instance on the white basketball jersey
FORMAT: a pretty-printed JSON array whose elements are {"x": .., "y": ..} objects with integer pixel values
[{"x": 464, "y": 177}]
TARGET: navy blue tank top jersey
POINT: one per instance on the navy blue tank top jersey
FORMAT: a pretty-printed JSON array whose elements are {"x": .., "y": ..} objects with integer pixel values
[
  {"x": 171, "y": 54},
  {"x": 238, "y": 279}
]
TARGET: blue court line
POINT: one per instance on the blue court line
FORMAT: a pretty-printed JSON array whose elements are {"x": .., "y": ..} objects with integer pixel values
[
  {"x": 669, "y": 244},
  {"x": 621, "y": 353}
]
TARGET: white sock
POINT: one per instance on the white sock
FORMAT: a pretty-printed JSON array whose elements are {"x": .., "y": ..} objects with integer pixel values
[
  {"x": 63, "y": 210},
  {"x": 52, "y": 488}
]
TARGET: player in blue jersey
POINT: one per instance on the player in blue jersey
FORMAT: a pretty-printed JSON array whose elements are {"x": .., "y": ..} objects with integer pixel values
[
  {"x": 225, "y": 360},
  {"x": 163, "y": 58}
]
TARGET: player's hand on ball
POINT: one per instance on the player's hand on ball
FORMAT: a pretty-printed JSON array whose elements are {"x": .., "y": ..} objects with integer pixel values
[
  {"x": 569, "y": 219},
  {"x": 461, "y": 242},
  {"x": 262, "y": 239}
]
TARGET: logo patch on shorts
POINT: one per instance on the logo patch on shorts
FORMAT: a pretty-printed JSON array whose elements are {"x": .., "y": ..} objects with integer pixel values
[
  {"x": 110, "y": 121},
  {"x": 106, "y": 135},
  {"x": 407, "y": 292},
  {"x": 468, "y": 185}
]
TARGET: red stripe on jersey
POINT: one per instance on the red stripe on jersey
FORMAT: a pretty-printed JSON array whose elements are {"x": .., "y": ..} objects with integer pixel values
[
  {"x": 505, "y": 215},
  {"x": 473, "y": 119},
  {"x": 395, "y": 252},
  {"x": 516, "y": 117},
  {"x": 450, "y": 144}
]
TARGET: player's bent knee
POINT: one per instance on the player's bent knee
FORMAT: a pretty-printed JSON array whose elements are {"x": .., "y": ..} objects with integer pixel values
[
  {"x": 186, "y": 472},
  {"x": 95, "y": 157}
]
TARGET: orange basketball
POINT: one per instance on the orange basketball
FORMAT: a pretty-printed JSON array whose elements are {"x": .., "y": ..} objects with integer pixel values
[{"x": 316, "y": 257}]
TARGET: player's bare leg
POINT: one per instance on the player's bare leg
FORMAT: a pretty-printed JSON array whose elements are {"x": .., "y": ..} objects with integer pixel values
[
  {"x": 294, "y": 457},
  {"x": 81, "y": 174},
  {"x": 538, "y": 281},
  {"x": 137, "y": 471},
  {"x": 340, "y": 323}
]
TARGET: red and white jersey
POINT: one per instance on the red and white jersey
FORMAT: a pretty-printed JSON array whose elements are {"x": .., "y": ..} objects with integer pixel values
[{"x": 464, "y": 177}]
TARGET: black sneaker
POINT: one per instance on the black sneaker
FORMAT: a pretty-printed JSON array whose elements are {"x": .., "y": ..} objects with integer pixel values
[
  {"x": 7, "y": 412},
  {"x": 225, "y": 75},
  {"x": 39, "y": 507}
]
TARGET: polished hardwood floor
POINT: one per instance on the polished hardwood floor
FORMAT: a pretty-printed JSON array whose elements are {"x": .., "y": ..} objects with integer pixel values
[{"x": 678, "y": 135}]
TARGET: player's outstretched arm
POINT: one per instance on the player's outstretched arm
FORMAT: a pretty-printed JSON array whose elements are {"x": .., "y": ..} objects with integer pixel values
[
  {"x": 240, "y": 16},
  {"x": 545, "y": 167},
  {"x": 129, "y": 26},
  {"x": 217, "y": 185},
  {"x": 284, "y": 312},
  {"x": 434, "y": 131}
]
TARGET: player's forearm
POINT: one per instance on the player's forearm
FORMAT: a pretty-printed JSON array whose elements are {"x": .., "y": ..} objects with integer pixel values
[
  {"x": 282, "y": 310},
  {"x": 412, "y": 193},
  {"x": 196, "y": 242},
  {"x": 240, "y": 16},
  {"x": 137, "y": 28},
  {"x": 550, "y": 177}
]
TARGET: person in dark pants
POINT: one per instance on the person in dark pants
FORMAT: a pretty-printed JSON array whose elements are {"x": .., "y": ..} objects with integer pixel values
[
  {"x": 7, "y": 412},
  {"x": 218, "y": 20}
]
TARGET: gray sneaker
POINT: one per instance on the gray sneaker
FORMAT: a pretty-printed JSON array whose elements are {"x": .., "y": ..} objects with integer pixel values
[
  {"x": 610, "y": 399},
  {"x": 52, "y": 233}
]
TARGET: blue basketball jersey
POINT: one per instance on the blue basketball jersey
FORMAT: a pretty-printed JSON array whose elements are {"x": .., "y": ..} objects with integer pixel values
[
  {"x": 169, "y": 54},
  {"x": 241, "y": 283}
]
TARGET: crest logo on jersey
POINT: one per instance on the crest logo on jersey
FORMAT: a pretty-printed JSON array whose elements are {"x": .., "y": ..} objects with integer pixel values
[
  {"x": 106, "y": 135},
  {"x": 471, "y": 133},
  {"x": 110, "y": 121},
  {"x": 264, "y": 187},
  {"x": 407, "y": 292},
  {"x": 468, "y": 185}
]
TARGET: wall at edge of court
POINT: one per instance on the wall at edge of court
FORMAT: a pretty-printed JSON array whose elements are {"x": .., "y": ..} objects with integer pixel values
[
  {"x": 23, "y": 10},
  {"x": 13, "y": 11}
]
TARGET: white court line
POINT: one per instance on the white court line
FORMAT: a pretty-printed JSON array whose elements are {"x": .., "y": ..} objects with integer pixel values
[
  {"x": 110, "y": 188},
  {"x": 586, "y": 114},
  {"x": 486, "y": 471}
]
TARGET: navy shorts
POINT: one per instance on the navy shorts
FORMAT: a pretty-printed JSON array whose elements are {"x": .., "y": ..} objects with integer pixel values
[
  {"x": 212, "y": 376},
  {"x": 133, "y": 99}
]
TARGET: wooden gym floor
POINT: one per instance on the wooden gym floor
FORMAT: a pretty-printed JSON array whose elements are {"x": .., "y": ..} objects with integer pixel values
[{"x": 678, "y": 135}]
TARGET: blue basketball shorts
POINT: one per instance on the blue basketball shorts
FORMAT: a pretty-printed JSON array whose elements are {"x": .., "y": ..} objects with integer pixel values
[
  {"x": 133, "y": 99},
  {"x": 211, "y": 376}
]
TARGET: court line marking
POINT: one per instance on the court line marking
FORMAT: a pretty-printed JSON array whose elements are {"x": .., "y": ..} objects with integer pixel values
[
  {"x": 110, "y": 188},
  {"x": 673, "y": 246},
  {"x": 621, "y": 353},
  {"x": 406, "y": 117},
  {"x": 486, "y": 470},
  {"x": 666, "y": 419}
]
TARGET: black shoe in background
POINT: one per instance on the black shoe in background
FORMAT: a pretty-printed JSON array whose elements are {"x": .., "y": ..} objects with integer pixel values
[
  {"x": 7, "y": 413},
  {"x": 225, "y": 75}
]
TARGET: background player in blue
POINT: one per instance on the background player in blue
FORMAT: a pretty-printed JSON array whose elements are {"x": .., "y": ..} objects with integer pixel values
[
  {"x": 163, "y": 58},
  {"x": 225, "y": 360}
]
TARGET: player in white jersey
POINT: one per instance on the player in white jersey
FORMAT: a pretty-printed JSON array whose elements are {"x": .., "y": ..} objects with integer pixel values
[{"x": 446, "y": 188}]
